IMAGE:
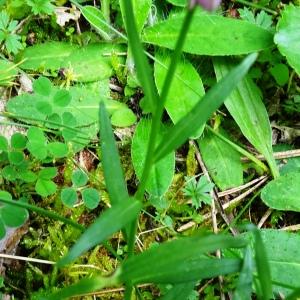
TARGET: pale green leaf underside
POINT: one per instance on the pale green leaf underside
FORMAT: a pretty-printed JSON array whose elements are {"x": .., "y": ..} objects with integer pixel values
[{"x": 211, "y": 35}]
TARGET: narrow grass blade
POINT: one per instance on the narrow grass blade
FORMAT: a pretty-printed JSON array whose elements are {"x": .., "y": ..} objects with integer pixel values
[
  {"x": 143, "y": 68},
  {"x": 82, "y": 287},
  {"x": 262, "y": 267},
  {"x": 181, "y": 261},
  {"x": 202, "y": 111},
  {"x": 113, "y": 173},
  {"x": 244, "y": 285},
  {"x": 111, "y": 221}
]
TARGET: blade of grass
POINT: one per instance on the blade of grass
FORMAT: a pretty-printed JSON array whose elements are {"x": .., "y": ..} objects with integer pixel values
[
  {"x": 202, "y": 111},
  {"x": 244, "y": 286},
  {"x": 113, "y": 173},
  {"x": 111, "y": 221},
  {"x": 142, "y": 66},
  {"x": 187, "y": 261},
  {"x": 82, "y": 287}
]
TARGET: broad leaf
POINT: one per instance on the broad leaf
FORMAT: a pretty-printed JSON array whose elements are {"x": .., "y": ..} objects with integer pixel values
[
  {"x": 222, "y": 161},
  {"x": 283, "y": 193},
  {"x": 110, "y": 221},
  {"x": 186, "y": 89},
  {"x": 86, "y": 64},
  {"x": 246, "y": 107},
  {"x": 180, "y": 291},
  {"x": 162, "y": 172},
  {"x": 287, "y": 36},
  {"x": 211, "y": 35},
  {"x": 186, "y": 262},
  {"x": 202, "y": 111}
]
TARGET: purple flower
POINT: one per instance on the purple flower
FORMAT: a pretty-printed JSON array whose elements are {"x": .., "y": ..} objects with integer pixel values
[{"x": 206, "y": 4}]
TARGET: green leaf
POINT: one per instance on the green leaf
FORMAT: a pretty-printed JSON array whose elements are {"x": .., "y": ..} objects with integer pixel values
[
  {"x": 96, "y": 18},
  {"x": 141, "y": 10},
  {"x": 9, "y": 173},
  {"x": 186, "y": 89},
  {"x": 90, "y": 197},
  {"x": 222, "y": 36},
  {"x": 79, "y": 178},
  {"x": 83, "y": 287},
  {"x": 8, "y": 72},
  {"x": 15, "y": 157},
  {"x": 3, "y": 143},
  {"x": 186, "y": 262},
  {"x": 62, "y": 98},
  {"x": 201, "y": 112},
  {"x": 88, "y": 63},
  {"x": 48, "y": 173},
  {"x": 162, "y": 172},
  {"x": 280, "y": 72},
  {"x": 44, "y": 107},
  {"x": 244, "y": 285},
  {"x": 35, "y": 134},
  {"x": 123, "y": 118},
  {"x": 68, "y": 197},
  {"x": 283, "y": 193},
  {"x": 113, "y": 173},
  {"x": 111, "y": 221},
  {"x": 13, "y": 216},
  {"x": 222, "y": 161},
  {"x": 42, "y": 86},
  {"x": 178, "y": 2},
  {"x": 246, "y": 107},
  {"x": 2, "y": 229},
  {"x": 45, "y": 187},
  {"x": 57, "y": 149},
  {"x": 18, "y": 141},
  {"x": 287, "y": 36},
  {"x": 27, "y": 176}
]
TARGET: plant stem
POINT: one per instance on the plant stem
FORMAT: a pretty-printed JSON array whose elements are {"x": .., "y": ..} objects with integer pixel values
[
  {"x": 156, "y": 123},
  {"x": 240, "y": 149},
  {"x": 255, "y": 5},
  {"x": 105, "y": 7}
]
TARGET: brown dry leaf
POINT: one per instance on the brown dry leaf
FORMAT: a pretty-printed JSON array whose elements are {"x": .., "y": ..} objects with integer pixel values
[{"x": 65, "y": 14}]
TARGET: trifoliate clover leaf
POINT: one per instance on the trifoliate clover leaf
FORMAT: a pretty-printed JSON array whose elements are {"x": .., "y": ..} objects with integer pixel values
[{"x": 199, "y": 191}]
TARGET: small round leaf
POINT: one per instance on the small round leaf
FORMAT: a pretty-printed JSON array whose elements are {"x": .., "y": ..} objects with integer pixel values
[
  {"x": 15, "y": 157},
  {"x": 42, "y": 86},
  {"x": 79, "y": 178},
  {"x": 9, "y": 173},
  {"x": 68, "y": 197},
  {"x": 48, "y": 173},
  {"x": 123, "y": 118},
  {"x": 57, "y": 149},
  {"x": 14, "y": 216},
  {"x": 18, "y": 141},
  {"x": 90, "y": 197},
  {"x": 62, "y": 98},
  {"x": 45, "y": 187},
  {"x": 44, "y": 107}
]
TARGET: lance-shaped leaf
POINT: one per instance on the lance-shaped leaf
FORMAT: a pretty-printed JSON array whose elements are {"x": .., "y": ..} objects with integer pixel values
[
  {"x": 211, "y": 35},
  {"x": 246, "y": 107},
  {"x": 202, "y": 111},
  {"x": 181, "y": 261},
  {"x": 111, "y": 221}
]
